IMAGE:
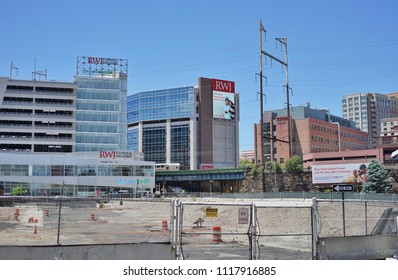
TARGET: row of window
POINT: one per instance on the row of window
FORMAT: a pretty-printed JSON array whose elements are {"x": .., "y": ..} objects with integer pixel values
[
  {"x": 354, "y": 146},
  {"x": 320, "y": 149},
  {"x": 97, "y": 117},
  {"x": 325, "y": 140},
  {"x": 323, "y": 128},
  {"x": 98, "y": 138},
  {"x": 75, "y": 170},
  {"x": 98, "y": 106},
  {"x": 163, "y": 104},
  {"x": 39, "y": 89},
  {"x": 113, "y": 84},
  {"x": 354, "y": 136}
]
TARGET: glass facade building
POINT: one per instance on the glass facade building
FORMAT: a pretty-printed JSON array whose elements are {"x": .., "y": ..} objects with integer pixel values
[
  {"x": 162, "y": 125},
  {"x": 161, "y": 105},
  {"x": 101, "y": 118},
  {"x": 76, "y": 174}
]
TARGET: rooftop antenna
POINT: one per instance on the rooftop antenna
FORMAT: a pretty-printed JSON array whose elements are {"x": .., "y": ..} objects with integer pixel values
[
  {"x": 12, "y": 66},
  {"x": 40, "y": 73}
]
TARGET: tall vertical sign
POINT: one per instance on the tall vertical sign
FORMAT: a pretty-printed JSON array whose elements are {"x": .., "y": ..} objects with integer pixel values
[{"x": 223, "y": 99}]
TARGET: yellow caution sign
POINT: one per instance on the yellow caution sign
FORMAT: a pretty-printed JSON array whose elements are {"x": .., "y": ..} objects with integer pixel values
[{"x": 211, "y": 212}]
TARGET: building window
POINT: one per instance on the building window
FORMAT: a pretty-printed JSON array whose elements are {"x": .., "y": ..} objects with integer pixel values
[
  {"x": 281, "y": 160},
  {"x": 154, "y": 144},
  {"x": 180, "y": 146}
]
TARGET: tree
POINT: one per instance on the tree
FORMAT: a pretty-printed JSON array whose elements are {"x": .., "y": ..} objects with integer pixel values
[
  {"x": 378, "y": 179},
  {"x": 246, "y": 164},
  {"x": 294, "y": 165},
  {"x": 17, "y": 191},
  {"x": 258, "y": 169},
  {"x": 274, "y": 167}
]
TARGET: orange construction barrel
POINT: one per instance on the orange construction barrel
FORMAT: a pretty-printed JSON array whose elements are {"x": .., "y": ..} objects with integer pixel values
[
  {"x": 164, "y": 225},
  {"x": 216, "y": 233}
]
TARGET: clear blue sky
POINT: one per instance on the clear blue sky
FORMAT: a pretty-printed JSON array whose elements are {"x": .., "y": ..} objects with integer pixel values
[{"x": 335, "y": 47}]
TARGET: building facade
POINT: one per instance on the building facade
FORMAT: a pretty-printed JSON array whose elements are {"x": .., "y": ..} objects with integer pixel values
[
  {"x": 37, "y": 116},
  {"x": 313, "y": 131},
  {"x": 76, "y": 174},
  {"x": 247, "y": 154},
  {"x": 101, "y": 104},
  {"x": 186, "y": 125},
  {"x": 388, "y": 138},
  {"x": 162, "y": 125},
  {"x": 367, "y": 110}
]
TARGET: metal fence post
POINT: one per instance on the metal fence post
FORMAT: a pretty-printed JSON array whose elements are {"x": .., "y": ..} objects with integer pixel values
[
  {"x": 59, "y": 221},
  {"x": 253, "y": 233},
  {"x": 172, "y": 216},
  {"x": 343, "y": 208},
  {"x": 179, "y": 226},
  {"x": 314, "y": 224},
  {"x": 366, "y": 218}
]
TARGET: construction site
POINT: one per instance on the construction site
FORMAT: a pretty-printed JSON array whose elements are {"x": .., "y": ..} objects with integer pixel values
[{"x": 197, "y": 228}]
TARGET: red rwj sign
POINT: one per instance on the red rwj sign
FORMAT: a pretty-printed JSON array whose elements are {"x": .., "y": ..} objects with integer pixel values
[
  {"x": 105, "y": 154},
  {"x": 221, "y": 85}
]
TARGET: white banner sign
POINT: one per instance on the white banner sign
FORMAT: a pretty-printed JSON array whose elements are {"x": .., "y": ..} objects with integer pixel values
[{"x": 339, "y": 173}]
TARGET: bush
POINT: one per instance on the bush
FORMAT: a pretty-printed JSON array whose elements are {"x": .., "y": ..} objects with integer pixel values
[
  {"x": 18, "y": 191},
  {"x": 294, "y": 165}
]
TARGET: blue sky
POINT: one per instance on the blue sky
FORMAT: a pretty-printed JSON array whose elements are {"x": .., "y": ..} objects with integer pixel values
[{"x": 335, "y": 47}]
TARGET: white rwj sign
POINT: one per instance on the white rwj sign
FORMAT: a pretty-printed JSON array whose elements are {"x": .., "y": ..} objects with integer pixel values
[{"x": 339, "y": 173}]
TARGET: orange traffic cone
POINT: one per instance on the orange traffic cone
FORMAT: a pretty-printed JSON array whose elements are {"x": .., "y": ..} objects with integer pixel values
[{"x": 35, "y": 231}]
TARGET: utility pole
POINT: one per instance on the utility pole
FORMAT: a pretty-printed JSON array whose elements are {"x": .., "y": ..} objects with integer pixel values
[
  {"x": 262, "y": 29},
  {"x": 283, "y": 41}
]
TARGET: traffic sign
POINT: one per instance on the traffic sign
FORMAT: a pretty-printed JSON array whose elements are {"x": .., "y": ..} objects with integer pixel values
[{"x": 343, "y": 188}]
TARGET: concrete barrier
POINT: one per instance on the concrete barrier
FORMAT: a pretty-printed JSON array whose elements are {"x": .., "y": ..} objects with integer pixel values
[
  {"x": 141, "y": 251},
  {"x": 371, "y": 247}
]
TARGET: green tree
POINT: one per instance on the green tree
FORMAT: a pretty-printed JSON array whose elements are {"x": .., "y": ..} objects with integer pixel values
[
  {"x": 378, "y": 179},
  {"x": 294, "y": 165},
  {"x": 272, "y": 166},
  {"x": 258, "y": 169},
  {"x": 246, "y": 164},
  {"x": 17, "y": 191}
]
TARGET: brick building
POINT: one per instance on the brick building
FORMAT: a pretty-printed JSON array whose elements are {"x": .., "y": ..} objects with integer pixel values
[{"x": 313, "y": 131}]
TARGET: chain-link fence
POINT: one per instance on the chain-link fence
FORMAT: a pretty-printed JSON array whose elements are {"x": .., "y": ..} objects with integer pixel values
[
  {"x": 77, "y": 221},
  {"x": 198, "y": 230},
  {"x": 244, "y": 231},
  {"x": 215, "y": 231},
  {"x": 356, "y": 218},
  {"x": 284, "y": 232}
]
